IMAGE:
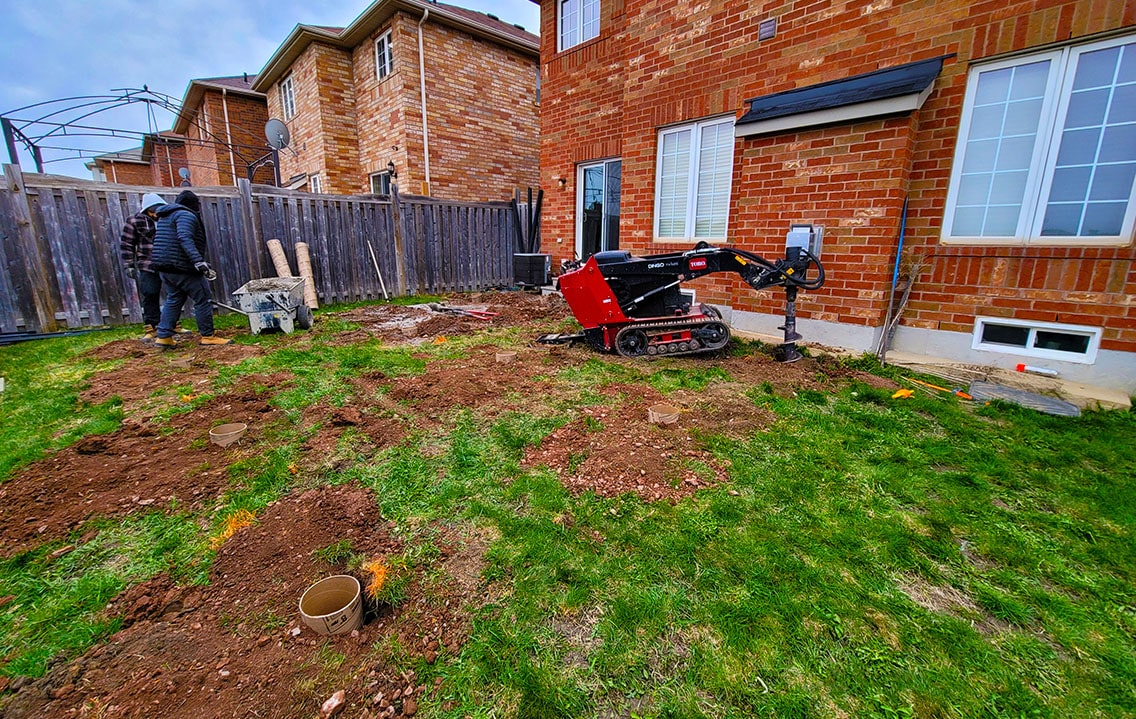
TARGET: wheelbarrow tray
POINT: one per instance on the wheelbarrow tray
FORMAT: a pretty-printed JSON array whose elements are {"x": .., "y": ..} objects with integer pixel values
[{"x": 274, "y": 303}]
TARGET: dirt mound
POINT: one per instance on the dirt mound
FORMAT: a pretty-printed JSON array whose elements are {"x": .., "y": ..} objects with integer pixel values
[
  {"x": 615, "y": 451},
  {"x": 478, "y": 381},
  {"x": 130, "y": 470},
  {"x": 237, "y": 648}
]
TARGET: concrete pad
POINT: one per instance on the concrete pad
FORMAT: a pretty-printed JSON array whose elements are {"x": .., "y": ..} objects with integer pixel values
[{"x": 1083, "y": 395}]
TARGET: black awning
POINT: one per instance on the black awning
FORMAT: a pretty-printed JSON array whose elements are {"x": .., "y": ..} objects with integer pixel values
[{"x": 912, "y": 79}]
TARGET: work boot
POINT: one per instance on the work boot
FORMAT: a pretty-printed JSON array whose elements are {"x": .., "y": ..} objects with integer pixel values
[
  {"x": 165, "y": 343},
  {"x": 149, "y": 333},
  {"x": 179, "y": 330},
  {"x": 214, "y": 340}
]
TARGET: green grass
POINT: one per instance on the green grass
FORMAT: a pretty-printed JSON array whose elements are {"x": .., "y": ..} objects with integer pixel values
[{"x": 868, "y": 557}]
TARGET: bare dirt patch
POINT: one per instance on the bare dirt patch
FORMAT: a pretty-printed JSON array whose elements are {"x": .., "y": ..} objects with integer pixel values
[
  {"x": 148, "y": 370},
  {"x": 399, "y": 324},
  {"x": 136, "y": 468},
  {"x": 237, "y": 648},
  {"x": 615, "y": 450}
]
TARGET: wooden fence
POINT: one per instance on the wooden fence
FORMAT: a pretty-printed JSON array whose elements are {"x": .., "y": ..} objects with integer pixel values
[{"x": 59, "y": 265}]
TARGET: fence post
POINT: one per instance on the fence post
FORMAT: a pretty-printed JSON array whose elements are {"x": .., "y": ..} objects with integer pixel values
[
  {"x": 32, "y": 252},
  {"x": 399, "y": 257}
]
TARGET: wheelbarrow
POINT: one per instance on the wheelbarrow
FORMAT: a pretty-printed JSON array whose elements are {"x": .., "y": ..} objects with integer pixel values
[{"x": 273, "y": 304}]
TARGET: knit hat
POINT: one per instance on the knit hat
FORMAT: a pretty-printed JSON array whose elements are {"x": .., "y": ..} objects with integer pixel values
[
  {"x": 188, "y": 200},
  {"x": 150, "y": 200}
]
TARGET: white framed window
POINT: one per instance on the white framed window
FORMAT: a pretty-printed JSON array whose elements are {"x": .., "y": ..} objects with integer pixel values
[
  {"x": 1044, "y": 340},
  {"x": 288, "y": 98},
  {"x": 315, "y": 184},
  {"x": 384, "y": 56},
  {"x": 1046, "y": 150},
  {"x": 693, "y": 174},
  {"x": 381, "y": 183},
  {"x": 579, "y": 21}
]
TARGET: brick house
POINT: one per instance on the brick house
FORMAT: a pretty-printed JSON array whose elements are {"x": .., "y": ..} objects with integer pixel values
[
  {"x": 356, "y": 100},
  {"x": 1008, "y": 128},
  {"x": 222, "y": 120},
  {"x": 155, "y": 163}
]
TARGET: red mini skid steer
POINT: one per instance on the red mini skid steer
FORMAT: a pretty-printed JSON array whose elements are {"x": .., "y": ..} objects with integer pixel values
[{"x": 633, "y": 306}]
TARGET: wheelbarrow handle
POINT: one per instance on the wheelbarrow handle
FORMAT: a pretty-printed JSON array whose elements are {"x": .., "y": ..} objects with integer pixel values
[{"x": 230, "y": 307}]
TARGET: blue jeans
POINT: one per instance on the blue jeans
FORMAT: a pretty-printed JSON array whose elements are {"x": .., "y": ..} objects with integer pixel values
[
  {"x": 178, "y": 287},
  {"x": 149, "y": 295}
]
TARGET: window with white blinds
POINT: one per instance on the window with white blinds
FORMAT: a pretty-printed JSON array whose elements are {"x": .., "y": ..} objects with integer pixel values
[{"x": 694, "y": 171}]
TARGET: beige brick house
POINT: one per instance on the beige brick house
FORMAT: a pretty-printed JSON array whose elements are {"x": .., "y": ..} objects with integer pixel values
[
  {"x": 445, "y": 95},
  {"x": 222, "y": 120}
]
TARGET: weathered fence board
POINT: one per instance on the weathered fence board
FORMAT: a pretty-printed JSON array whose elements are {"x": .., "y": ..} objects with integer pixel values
[{"x": 60, "y": 266}]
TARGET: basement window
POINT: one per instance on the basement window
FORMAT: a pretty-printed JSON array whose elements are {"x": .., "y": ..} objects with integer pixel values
[
  {"x": 1045, "y": 340},
  {"x": 315, "y": 185}
]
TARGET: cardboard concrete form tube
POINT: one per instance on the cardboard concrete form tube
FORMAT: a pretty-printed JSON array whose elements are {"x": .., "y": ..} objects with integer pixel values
[
  {"x": 304, "y": 263},
  {"x": 279, "y": 259}
]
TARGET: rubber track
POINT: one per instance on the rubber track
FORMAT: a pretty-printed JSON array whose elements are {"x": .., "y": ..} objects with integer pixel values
[{"x": 650, "y": 328}]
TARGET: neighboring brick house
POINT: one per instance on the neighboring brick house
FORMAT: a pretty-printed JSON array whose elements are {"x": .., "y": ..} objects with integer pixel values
[
  {"x": 155, "y": 163},
  {"x": 222, "y": 120},
  {"x": 665, "y": 123},
  {"x": 353, "y": 100}
]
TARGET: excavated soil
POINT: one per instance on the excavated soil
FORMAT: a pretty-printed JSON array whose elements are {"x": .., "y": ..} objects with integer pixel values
[{"x": 236, "y": 647}]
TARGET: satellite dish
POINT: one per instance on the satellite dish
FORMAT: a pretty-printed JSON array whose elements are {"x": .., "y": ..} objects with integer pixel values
[
  {"x": 276, "y": 132},
  {"x": 183, "y": 173}
]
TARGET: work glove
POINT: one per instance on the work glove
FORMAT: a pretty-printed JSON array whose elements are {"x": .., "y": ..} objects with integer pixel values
[
  {"x": 206, "y": 271},
  {"x": 132, "y": 273}
]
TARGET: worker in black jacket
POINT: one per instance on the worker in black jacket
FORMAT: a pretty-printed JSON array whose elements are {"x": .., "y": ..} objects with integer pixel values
[{"x": 179, "y": 255}]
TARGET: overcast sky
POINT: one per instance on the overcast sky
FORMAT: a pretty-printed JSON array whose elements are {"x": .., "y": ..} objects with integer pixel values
[{"x": 53, "y": 49}]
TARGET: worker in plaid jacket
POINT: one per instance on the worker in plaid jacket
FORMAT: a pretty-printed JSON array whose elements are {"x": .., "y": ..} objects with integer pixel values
[{"x": 136, "y": 246}]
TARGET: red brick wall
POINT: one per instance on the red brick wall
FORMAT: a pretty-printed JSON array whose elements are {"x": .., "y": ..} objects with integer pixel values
[
  {"x": 201, "y": 154},
  {"x": 167, "y": 159},
  {"x": 658, "y": 62},
  {"x": 126, "y": 173}
]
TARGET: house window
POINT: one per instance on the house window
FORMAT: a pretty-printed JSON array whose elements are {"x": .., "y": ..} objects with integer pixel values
[
  {"x": 381, "y": 183},
  {"x": 384, "y": 56},
  {"x": 597, "y": 211},
  {"x": 1045, "y": 340},
  {"x": 315, "y": 184},
  {"x": 1046, "y": 151},
  {"x": 287, "y": 98},
  {"x": 694, "y": 169},
  {"x": 579, "y": 21}
]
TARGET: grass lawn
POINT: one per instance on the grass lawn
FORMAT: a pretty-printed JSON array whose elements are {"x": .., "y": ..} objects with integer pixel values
[{"x": 866, "y": 557}]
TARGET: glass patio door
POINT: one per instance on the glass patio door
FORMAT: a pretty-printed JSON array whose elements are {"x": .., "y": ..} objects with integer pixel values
[{"x": 597, "y": 208}]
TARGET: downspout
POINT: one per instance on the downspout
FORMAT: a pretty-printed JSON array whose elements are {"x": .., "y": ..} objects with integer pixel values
[
  {"x": 422, "y": 87},
  {"x": 228, "y": 133}
]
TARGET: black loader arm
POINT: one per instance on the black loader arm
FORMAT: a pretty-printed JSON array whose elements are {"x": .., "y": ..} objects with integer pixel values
[{"x": 636, "y": 281}]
